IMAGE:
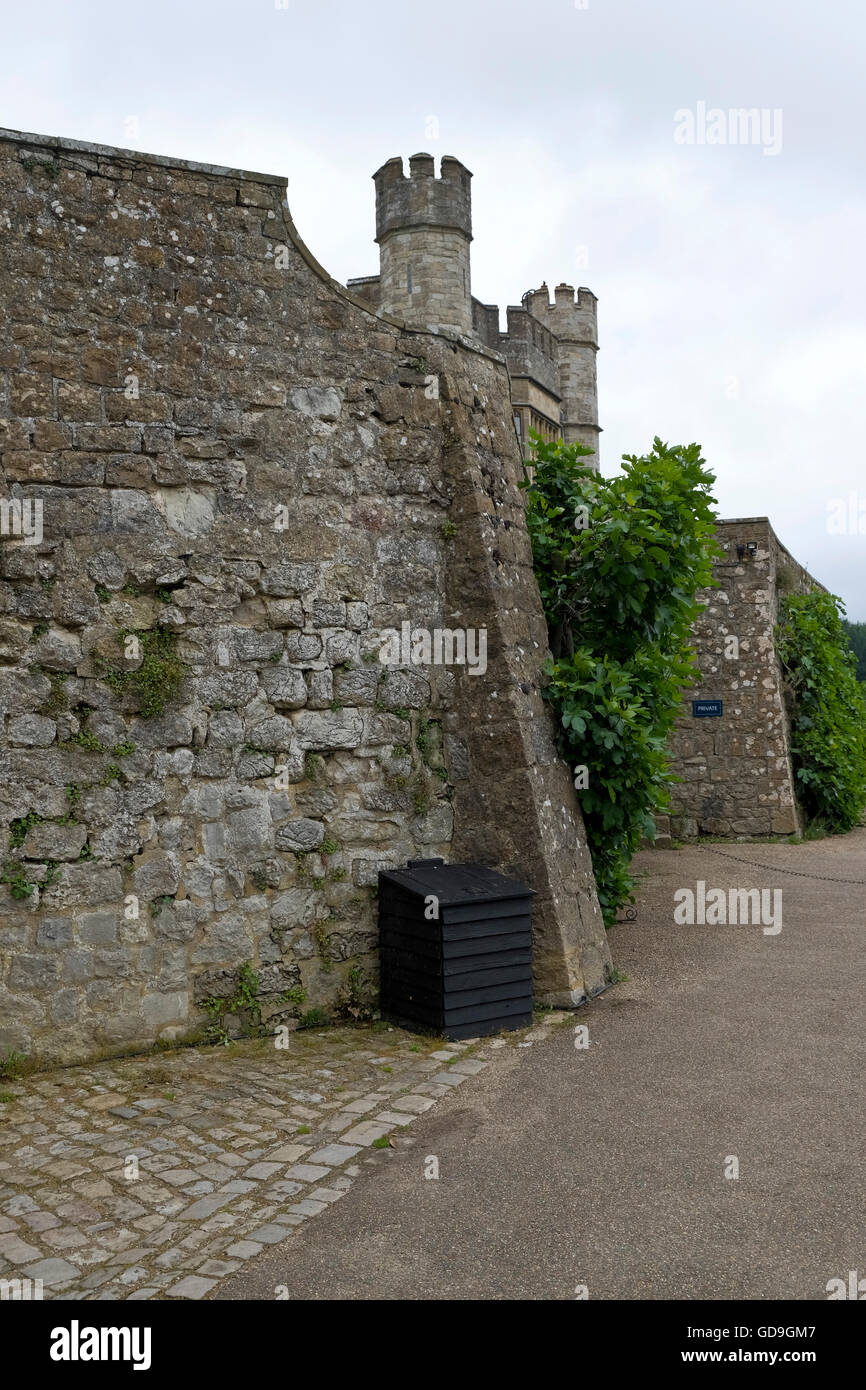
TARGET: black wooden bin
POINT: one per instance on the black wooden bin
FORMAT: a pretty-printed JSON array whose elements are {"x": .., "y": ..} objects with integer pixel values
[{"x": 465, "y": 972}]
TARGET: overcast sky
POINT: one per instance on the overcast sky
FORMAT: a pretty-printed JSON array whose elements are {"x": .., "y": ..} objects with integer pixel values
[{"x": 730, "y": 280}]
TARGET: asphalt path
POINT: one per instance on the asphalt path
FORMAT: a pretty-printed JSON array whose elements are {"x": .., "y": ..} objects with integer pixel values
[{"x": 605, "y": 1166}]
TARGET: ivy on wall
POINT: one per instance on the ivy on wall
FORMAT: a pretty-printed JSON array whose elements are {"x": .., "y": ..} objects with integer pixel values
[
  {"x": 827, "y": 709},
  {"x": 619, "y": 561}
]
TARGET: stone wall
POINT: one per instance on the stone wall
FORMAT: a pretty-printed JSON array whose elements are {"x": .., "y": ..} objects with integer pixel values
[
  {"x": 736, "y": 770},
  {"x": 252, "y": 476}
]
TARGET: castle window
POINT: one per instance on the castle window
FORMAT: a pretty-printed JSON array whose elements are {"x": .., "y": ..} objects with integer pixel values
[{"x": 409, "y": 279}]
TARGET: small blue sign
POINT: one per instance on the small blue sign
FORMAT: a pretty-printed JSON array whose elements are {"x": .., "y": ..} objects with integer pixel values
[{"x": 706, "y": 709}]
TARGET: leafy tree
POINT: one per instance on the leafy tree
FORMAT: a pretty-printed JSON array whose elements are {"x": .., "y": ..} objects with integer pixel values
[
  {"x": 857, "y": 639},
  {"x": 827, "y": 706},
  {"x": 619, "y": 561}
]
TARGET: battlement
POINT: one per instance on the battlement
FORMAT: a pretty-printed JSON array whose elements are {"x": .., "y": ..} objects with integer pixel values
[
  {"x": 523, "y": 329},
  {"x": 485, "y": 323},
  {"x": 367, "y": 288},
  {"x": 564, "y": 297},
  {"x": 528, "y": 345},
  {"x": 525, "y": 326},
  {"x": 421, "y": 199},
  {"x": 571, "y": 318}
]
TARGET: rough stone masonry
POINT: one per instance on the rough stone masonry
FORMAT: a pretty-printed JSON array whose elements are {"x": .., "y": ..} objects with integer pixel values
[
  {"x": 736, "y": 777},
  {"x": 223, "y": 478}
]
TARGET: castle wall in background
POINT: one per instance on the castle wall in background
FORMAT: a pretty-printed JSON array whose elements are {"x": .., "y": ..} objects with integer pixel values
[
  {"x": 231, "y": 451},
  {"x": 736, "y": 769}
]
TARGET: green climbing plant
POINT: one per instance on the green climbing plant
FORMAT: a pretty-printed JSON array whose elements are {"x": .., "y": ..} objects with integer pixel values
[
  {"x": 619, "y": 562},
  {"x": 157, "y": 680},
  {"x": 827, "y": 709},
  {"x": 244, "y": 1001}
]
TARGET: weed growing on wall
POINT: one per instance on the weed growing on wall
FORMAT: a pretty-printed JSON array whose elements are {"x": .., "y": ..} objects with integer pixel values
[
  {"x": 619, "y": 561},
  {"x": 356, "y": 998},
  {"x": 827, "y": 709},
  {"x": 158, "y": 680},
  {"x": 244, "y": 1001}
]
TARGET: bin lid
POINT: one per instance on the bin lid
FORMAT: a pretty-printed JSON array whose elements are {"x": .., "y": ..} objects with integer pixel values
[{"x": 454, "y": 884}]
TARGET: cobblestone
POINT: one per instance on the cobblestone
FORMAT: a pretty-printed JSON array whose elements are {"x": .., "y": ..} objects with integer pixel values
[{"x": 157, "y": 1176}]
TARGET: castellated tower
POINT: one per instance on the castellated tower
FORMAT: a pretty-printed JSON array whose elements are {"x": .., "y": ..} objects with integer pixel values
[
  {"x": 424, "y": 230},
  {"x": 574, "y": 324},
  {"x": 424, "y": 227}
]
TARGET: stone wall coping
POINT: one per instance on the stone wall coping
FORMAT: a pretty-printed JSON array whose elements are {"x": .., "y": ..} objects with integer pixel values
[
  {"x": 57, "y": 142},
  {"x": 112, "y": 152},
  {"x": 765, "y": 521}
]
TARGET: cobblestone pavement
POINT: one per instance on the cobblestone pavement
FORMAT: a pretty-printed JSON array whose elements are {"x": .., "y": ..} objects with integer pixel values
[{"x": 158, "y": 1176}]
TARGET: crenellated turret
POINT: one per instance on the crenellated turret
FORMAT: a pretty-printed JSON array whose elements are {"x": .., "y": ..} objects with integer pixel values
[
  {"x": 573, "y": 321},
  {"x": 424, "y": 228}
]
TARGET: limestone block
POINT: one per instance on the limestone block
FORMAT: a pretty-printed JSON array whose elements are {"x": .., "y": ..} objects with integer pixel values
[
  {"x": 285, "y": 687},
  {"x": 31, "y": 731},
  {"x": 321, "y": 732},
  {"x": 50, "y": 841},
  {"x": 300, "y": 835}
]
